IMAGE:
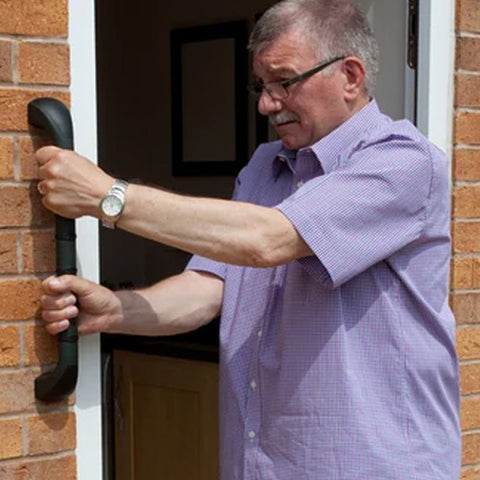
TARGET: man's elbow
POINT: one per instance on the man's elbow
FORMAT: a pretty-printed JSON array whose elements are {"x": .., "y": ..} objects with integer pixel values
[
  {"x": 273, "y": 241},
  {"x": 268, "y": 252}
]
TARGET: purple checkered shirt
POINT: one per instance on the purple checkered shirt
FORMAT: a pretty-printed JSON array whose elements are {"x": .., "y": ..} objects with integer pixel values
[{"x": 342, "y": 365}]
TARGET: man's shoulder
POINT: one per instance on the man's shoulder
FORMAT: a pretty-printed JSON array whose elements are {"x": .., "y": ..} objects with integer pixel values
[{"x": 401, "y": 134}]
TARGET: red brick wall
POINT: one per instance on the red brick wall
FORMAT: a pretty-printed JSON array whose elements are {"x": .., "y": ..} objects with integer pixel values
[
  {"x": 37, "y": 441},
  {"x": 466, "y": 227}
]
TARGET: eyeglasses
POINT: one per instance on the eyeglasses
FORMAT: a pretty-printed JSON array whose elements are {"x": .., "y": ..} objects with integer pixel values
[{"x": 279, "y": 90}]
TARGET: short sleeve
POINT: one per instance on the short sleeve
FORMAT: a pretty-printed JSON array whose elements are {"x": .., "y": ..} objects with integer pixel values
[
  {"x": 203, "y": 264},
  {"x": 364, "y": 211}
]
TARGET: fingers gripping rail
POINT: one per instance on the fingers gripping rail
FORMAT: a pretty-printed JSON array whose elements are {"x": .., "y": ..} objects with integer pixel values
[{"x": 53, "y": 117}]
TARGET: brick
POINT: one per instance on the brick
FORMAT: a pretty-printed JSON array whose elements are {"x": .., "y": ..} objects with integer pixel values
[
  {"x": 468, "y": 15},
  {"x": 466, "y": 237},
  {"x": 468, "y": 344},
  {"x": 6, "y": 70},
  {"x": 470, "y": 449},
  {"x": 468, "y": 53},
  {"x": 51, "y": 433},
  {"x": 44, "y": 63},
  {"x": 64, "y": 468},
  {"x": 465, "y": 273},
  {"x": 20, "y": 206},
  {"x": 469, "y": 379},
  {"x": 470, "y": 413},
  {"x": 16, "y": 391},
  {"x": 466, "y": 201},
  {"x": 11, "y": 434},
  {"x": 466, "y": 164},
  {"x": 40, "y": 346},
  {"x": 8, "y": 253},
  {"x": 466, "y": 307},
  {"x": 466, "y": 128},
  {"x": 471, "y": 474},
  {"x": 19, "y": 299},
  {"x": 461, "y": 273},
  {"x": 27, "y": 146},
  {"x": 15, "y": 206},
  {"x": 38, "y": 252},
  {"x": 38, "y": 18},
  {"x": 467, "y": 90},
  {"x": 13, "y": 105},
  {"x": 9, "y": 347},
  {"x": 6, "y": 158}
]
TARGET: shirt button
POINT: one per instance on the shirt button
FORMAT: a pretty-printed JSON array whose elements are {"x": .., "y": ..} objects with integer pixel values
[
  {"x": 251, "y": 435},
  {"x": 300, "y": 183},
  {"x": 259, "y": 333},
  {"x": 253, "y": 384}
]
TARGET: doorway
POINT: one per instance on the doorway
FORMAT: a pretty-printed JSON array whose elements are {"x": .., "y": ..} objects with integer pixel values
[{"x": 135, "y": 142}]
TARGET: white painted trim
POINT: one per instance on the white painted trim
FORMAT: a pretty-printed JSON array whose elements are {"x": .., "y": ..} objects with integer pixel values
[
  {"x": 436, "y": 71},
  {"x": 83, "y": 91}
]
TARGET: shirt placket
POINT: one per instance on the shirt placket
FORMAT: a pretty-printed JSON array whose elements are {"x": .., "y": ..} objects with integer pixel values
[
  {"x": 306, "y": 167},
  {"x": 252, "y": 432}
]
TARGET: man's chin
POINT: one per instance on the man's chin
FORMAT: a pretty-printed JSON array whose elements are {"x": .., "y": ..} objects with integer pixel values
[{"x": 288, "y": 136}]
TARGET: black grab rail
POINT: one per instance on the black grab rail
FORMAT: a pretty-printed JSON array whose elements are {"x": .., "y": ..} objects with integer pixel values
[{"x": 53, "y": 117}]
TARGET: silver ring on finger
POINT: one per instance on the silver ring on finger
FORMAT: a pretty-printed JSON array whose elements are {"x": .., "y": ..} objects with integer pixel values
[{"x": 41, "y": 188}]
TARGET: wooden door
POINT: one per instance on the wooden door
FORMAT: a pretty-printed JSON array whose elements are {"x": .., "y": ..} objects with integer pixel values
[{"x": 166, "y": 418}]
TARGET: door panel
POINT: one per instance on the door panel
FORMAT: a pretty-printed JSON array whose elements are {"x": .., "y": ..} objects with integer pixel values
[{"x": 166, "y": 418}]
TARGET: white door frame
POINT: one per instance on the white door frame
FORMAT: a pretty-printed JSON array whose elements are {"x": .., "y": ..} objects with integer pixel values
[
  {"x": 435, "y": 116},
  {"x": 436, "y": 62},
  {"x": 84, "y": 114}
]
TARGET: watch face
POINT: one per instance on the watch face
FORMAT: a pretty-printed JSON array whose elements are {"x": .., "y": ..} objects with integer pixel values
[{"x": 112, "y": 206}]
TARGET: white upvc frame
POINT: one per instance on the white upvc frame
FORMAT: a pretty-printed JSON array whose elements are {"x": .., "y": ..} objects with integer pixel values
[
  {"x": 436, "y": 62},
  {"x": 84, "y": 113},
  {"x": 435, "y": 118}
]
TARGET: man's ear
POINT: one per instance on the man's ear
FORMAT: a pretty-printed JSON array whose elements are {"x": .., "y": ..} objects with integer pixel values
[{"x": 353, "y": 70}]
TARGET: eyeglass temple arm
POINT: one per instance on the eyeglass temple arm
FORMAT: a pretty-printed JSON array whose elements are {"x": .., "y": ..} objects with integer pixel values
[{"x": 313, "y": 71}]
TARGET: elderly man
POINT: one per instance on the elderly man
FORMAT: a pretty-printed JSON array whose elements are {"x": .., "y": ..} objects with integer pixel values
[{"x": 330, "y": 269}]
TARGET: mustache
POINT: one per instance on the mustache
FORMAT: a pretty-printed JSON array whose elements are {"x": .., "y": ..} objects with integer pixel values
[{"x": 280, "y": 118}]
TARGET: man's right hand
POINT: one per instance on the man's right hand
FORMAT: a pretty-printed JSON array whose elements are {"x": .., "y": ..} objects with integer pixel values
[{"x": 69, "y": 296}]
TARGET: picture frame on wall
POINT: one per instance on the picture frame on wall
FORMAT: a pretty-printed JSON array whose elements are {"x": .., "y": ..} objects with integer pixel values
[{"x": 209, "y": 99}]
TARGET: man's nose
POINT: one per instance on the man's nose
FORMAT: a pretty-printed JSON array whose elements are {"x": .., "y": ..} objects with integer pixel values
[{"x": 268, "y": 105}]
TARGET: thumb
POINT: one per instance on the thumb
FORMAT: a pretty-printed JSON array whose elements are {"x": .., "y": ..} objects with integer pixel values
[{"x": 44, "y": 154}]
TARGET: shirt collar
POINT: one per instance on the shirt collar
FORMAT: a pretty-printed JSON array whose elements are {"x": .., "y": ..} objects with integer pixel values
[
  {"x": 328, "y": 149},
  {"x": 285, "y": 159}
]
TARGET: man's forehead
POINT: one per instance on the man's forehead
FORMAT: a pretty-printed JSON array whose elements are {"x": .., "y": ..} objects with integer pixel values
[
  {"x": 285, "y": 55},
  {"x": 278, "y": 68}
]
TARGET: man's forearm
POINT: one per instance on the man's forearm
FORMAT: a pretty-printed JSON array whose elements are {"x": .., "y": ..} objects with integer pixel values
[
  {"x": 176, "y": 305},
  {"x": 232, "y": 232}
]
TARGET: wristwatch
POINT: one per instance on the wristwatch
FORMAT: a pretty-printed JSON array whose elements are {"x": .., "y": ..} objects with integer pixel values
[{"x": 113, "y": 203}]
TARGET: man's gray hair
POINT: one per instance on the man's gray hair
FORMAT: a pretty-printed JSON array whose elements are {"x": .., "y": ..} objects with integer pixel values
[{"x": 335, "y": 28}]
